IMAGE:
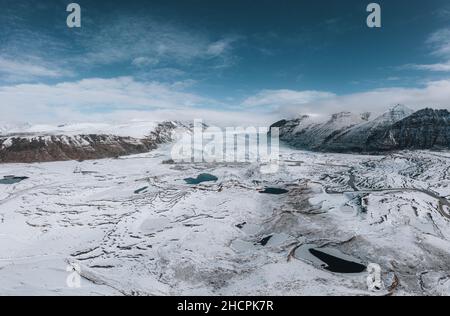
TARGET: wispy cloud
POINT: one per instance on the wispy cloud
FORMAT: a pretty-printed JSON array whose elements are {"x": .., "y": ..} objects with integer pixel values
[
  {"x": 126, "y": 98},
  {"x": 146, "y": 42},
  {"x": 434, "y": 94},
  {"x": 29, "y": 69},
  {"x": 145, "y": 61},
  {"x": 439, "y": 67},
  {"x": 221, "y": 47},
  {"x": 28, "y": 54},
  {"x": 275, "y": 98},
  {"x": 118, "y": 99},
  {"x": 439, "y": 44},
  {"x": 66, "y": 100},
  {"x": 131, "y": 45},
  {"x": 443, "y": 12}
]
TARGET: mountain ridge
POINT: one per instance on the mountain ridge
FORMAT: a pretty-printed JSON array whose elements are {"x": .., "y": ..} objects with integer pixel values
[
  {"x": 399, "y": 128},
  {"x": 26, "y": 147}
]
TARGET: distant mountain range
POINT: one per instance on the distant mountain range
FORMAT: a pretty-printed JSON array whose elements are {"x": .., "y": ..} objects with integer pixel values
[
  {"x": 399, "y": 128},
  {"x": 82, "y": 141}
]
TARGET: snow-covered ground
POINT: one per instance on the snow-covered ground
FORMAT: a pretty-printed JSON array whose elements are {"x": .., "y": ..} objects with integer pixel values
[{"x": 133, "y": 226}]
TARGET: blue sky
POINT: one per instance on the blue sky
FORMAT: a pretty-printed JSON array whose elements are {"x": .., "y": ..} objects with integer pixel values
[{"x": 239, "y": 60}]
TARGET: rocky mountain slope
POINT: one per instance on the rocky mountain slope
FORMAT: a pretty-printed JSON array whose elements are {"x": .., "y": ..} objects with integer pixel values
[
  {"x": 398, "y": 128},
  {"x": 81, "y": 144},
  {"x": 424, "y": 129}
]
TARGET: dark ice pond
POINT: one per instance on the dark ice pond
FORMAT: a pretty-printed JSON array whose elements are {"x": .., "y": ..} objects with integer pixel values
[
  {"x": 330, "y": 259},
  {"x": 140, "y": 190},
  {"x": 204, "y": 177},
  {"x": 265, "y": 240},
  {"x": 276, "y": 191},
  {"x": 12, "y": 179}
]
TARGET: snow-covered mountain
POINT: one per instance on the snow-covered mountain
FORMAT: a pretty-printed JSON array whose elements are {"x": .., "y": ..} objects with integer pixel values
[
  {"x": 40, "y": 143},
  {"x": 426, "y": 128},
  {"x": 397, "y": 128},
  {"x": 358, "y": 137},
  {"x": 135, "y": 129},
  {"x": 307, "y": 132}
]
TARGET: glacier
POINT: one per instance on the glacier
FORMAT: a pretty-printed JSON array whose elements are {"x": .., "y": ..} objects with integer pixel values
[{"x": 133, "y": 226}]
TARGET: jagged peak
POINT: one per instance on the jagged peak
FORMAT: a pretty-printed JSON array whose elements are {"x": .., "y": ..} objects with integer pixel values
[
  {"x": 345, "y": 118},
  {"x": 399, "y": 108},
  {"x": 339, "y": 115},
  {"x": 366, "y": 116},
  {"x": 302, "y": 117},
  {"x": 395, "y": 113},
  {"x": 431, "y": 111}
]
